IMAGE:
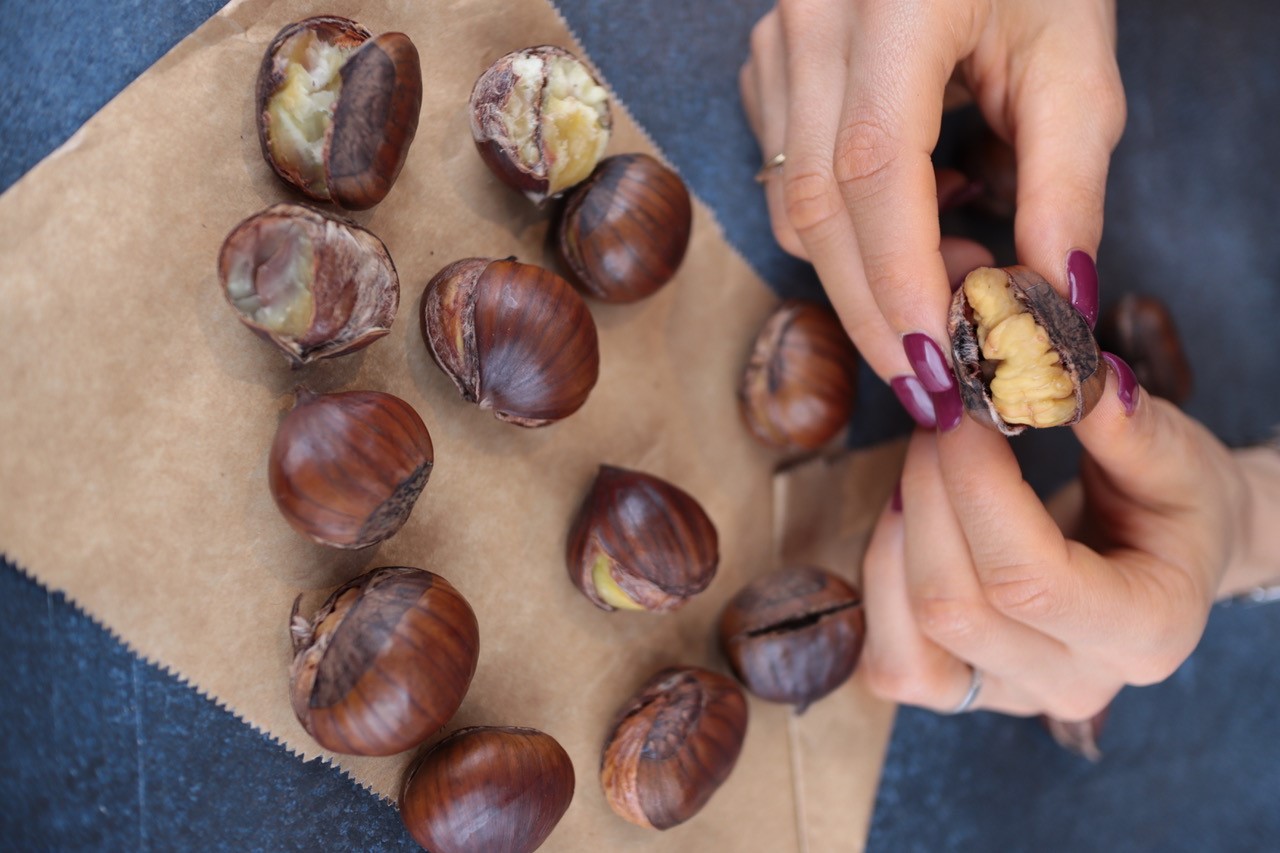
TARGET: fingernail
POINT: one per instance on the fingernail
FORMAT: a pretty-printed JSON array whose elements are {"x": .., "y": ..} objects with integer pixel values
[
  {"x": 929, "y": 363},
  {"x": 895, "y": 503},
  {"x": 1082, "y": 277},
  {"x": 947, "y": 408},
  {"x": 1126, "y": 382},
  {"x": 914, "y": 399}
]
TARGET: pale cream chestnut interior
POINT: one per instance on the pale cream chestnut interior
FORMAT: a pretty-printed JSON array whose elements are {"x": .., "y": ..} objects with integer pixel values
[
  {"x": 271, "y": 285},
  {"x": 607, "y": 588},
  {"x": 301, "y": 110},
  {"x": 1030, "y": 385}
]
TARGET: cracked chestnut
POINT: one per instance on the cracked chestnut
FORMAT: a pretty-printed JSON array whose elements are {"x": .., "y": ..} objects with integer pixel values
[
  {"x": 1023, "y": 355},
  {"x": 797, "y": 391},
  {"x": 540, "y": 120},
  {"x": 313, "y": 284},
  {"x": 794, "y": 635},
  {"x": 338, "y": 109},
  {"x": 640, "y": 543},
  {"x": 672, "y": 745},
  {"x": 624, "y": 232},
  {"x": 384, "y": 663},
  {"x": 345, "y": 469},
  {"x": 1141, "y": 330},
  {"x": 487, "y": 788},
  {"x": 513, "y": 337}
]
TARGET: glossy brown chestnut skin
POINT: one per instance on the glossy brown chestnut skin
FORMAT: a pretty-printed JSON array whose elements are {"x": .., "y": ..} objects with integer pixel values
[
  {"x": 798, "y": 388},
  {"x": 384, "y": 663},
  {"x": 794, "y": 635},
  {"x": 624, "y": 232},
  {"x": 514, "y": 338},
  {"x": 672, "y": 745},
  {"x": 346, "y": 139},
  {"x": 345, "y": 469},
  {"x": 1079, "y": 737},
  {"x": 640, "y": 543},
  {"x": 540, "y": 120},
  {"x": 487, "y": 788},
  {"x": 1040, "y": 362},
  {"x": 1141, "y": 331},
  {"x": 315, "y": 285}
]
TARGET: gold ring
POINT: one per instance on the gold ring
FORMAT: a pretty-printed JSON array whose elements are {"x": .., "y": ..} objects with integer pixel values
[{"x": 772, "y": 164}]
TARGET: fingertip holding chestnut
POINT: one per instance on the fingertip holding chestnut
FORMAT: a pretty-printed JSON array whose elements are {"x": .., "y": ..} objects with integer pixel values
[{"x": 1126, "y": 383}]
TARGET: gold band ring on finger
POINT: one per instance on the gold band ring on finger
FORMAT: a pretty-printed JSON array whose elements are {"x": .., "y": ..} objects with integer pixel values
[
  {"x": 772, "y": 165},
  {"x": 975, "y": 687}
]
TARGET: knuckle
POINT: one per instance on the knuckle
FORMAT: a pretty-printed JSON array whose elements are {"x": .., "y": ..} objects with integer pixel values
[
  {"x": 894, "y": 682},
  {"x": 1080, "y": 705},
  {"x": 1020, "y": 594},
  {"x": 944, "y": 618},
  {"x": 865, "y": 152},
  {"x": 763, "y": 33},
  {"x": 810, "y": 198}
]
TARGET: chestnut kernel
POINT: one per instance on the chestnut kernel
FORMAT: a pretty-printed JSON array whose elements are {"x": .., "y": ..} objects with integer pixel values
[
  {"x": 315, "y": 285},
  {"x": 1023, "y": 355},
  {"x": 384, "y": 663},
  {"x": 513, "y": 337},
  {"x": 672, "y": 745},
  {"x": 487, "y": 788},
  {"x": 798, "y": 387},
  {"x": 345, "y": 469},
  {"x": 540, "y": 120},
  {"x": 793, "y": 635},
  {"x": 337, "y": 109},
  {"x": 1141, "y": 331},
  {"x": 640, "y": 543},
  {"x": 624, "y": 232}
]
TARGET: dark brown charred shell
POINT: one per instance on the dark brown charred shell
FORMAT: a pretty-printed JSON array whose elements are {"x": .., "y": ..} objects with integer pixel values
[
  {"x": 346, "y": 469},
  {"x": 487, "y": 788},
  {"x": 513, "y": 337},
  {"x": 672, "y": 746},
  {"x": 1068, "y": 333},
  {"x": 794, "y": 635},
  {"x": 384, "y": 663},
  {"x": 654, "y": 540},
  {"x": 1141, "y": 330},
  {"x": 354, "y": 288},
  {"x": 798, "y": 387},
  {"x": 624, "y": 231}
]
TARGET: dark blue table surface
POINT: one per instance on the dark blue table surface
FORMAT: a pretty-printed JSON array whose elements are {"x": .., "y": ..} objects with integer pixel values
[{"x": 99, "y": 750}]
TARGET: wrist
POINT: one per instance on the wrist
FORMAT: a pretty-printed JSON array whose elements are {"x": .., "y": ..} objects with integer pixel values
[{"x": 1255, "y": 555}]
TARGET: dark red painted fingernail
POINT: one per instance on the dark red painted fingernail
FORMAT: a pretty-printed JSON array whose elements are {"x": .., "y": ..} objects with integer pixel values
[
  {"x": 1082, "y": 276},
  {"x": 1126, "y": 382},
  {"x": 895, "y": 503},
  {"x": 914, "y": 399},
  {"x": 928, "y": 361},
  {"x": 947, "y": 409}
]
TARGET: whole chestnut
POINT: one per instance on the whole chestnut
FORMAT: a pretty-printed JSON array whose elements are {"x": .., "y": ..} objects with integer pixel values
[
  {"x": 313, "y": 284},
  {"x": 798, "y": 387},
  {"x": 793, "y": 635},
  {"x": 624, "y": 231},
  {"x": 345, "y": 469},
  {"x": 640, "y": 543},
  {"x": 1023, "y": 355},
  {"x": 1141, "y": 331},
  {"x": 486, "y": 788},
  {"x": 540, "y": 120},
  {"x": 672, "y": 745},
  {"x": 514, "y": 338},
  {"x": 337, "y": 109},
  {"x": 384, "y": 663}
]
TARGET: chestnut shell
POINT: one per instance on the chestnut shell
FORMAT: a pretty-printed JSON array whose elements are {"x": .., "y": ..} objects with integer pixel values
[{"x": 1141, "y": 330}]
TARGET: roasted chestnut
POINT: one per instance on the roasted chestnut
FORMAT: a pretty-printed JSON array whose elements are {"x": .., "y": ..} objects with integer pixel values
[
  {"x": 490, "y": 789},
  {"x": 540, "y": 120},
  {"x": 1024, "y": 356},
  {"x": 1141, "y": 331},
  {"x": 337, "y": 109},
  {"x": 384, "y": 663},
  {"x": 346, "y": 468},
  {"x": 793, "y": 635},
  {"x": 798, "y": 387},
  {"x": 672, "y": 745},
  {"x": 314, "y": 285},
  {"x": 640, "y": 543},
  {"x": 515, "y": 338},
  {"x": 623, "y": 232}
]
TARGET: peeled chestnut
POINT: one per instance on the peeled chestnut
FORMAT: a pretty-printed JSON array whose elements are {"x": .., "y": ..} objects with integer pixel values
[
  {"x": 338, "y": 109},
  {"x": 313, "y": 284},
  {"x": 540, "y": 120},
  {"x": 384, "y": 663},
  {"x": 346, "y": 468},
  {"x": 490, "y": 789},
  {"x": 1023, "y": 355},
  {"x": 1141, "y": 331},
  {"x": 794, "y": 635},
  {"x": 797, "y": 390},
  {"x": 623, "y": 233},
  {"x": 672, "y": 745},
  {"x": 640, "y": 543},
  {"x": 515, "y": 338}
]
